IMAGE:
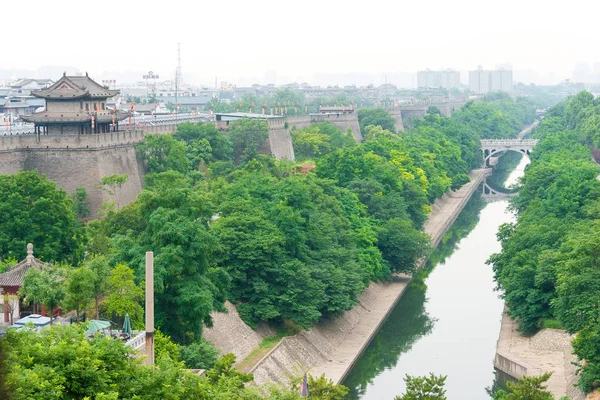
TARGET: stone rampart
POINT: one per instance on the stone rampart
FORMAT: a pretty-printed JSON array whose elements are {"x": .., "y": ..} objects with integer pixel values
[
  {"x": 396, "y": 113},
  {"x": 70, "y": 142},
  {"x": 73, "y": 161}
]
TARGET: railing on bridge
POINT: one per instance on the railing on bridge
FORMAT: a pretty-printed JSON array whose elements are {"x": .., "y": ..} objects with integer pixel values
[{"x": 509, "y": 142}]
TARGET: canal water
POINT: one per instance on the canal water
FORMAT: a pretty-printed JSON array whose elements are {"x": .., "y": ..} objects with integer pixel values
[{"x": 448, "y": 322}]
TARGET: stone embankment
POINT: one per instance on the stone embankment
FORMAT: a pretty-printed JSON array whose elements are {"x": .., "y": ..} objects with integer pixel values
[
  {"x": 549, "y": 350},
  {"x": 333, "y": 346}
]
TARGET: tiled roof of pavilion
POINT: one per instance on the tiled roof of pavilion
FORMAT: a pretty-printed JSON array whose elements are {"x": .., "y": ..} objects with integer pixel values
[
  {"x": 14, "y": 275},
  {"x": 75, "y": 87}
]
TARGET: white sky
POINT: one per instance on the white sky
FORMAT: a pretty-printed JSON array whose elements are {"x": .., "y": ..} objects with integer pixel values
[{"x": 296, "y": 39}]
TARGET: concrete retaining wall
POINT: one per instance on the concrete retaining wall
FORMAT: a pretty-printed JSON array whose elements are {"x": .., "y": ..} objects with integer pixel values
[
  {"x": 549, "y": 350},
  {"x": 230, "y": 334}
]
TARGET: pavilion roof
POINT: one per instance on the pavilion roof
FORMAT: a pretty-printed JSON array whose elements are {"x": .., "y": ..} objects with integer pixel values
[
  {"x": 75, "y": 87},
  {"x": 14, "y": 275}
]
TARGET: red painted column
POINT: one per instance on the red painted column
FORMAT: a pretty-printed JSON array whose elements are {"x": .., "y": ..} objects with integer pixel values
[
  {"x": 44, "y": 311},
  {"x": 6, "y": 317}
]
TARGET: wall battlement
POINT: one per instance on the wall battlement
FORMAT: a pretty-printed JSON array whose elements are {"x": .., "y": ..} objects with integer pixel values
[{"x": 72, "y": 142}]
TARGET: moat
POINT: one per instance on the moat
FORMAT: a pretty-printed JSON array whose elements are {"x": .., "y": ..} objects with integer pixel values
[{"x": 448, "y": 322}]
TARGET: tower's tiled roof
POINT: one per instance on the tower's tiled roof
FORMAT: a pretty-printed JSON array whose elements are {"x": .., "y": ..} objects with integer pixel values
[{"x": 75, "y": 87}]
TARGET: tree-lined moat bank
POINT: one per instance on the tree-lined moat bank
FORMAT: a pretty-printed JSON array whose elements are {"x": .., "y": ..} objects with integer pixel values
[
  {"x": 290, "y": 248},
  {"x": 333, "y": 345}
]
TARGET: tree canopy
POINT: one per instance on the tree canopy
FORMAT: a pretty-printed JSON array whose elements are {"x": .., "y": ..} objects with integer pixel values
[
  {"x": 34, "y": 210},
  {"x": 548, "y": 267}
]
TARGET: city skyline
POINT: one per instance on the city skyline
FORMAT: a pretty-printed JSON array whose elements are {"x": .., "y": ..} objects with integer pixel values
[{"x": 312, "y": 40}]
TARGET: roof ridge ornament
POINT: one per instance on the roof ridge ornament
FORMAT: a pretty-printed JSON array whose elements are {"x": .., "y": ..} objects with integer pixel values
[{"x": 29, "y": 254}]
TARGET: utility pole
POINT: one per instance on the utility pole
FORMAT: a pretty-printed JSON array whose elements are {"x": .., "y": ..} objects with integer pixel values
[{"x": 149, "y": 308}]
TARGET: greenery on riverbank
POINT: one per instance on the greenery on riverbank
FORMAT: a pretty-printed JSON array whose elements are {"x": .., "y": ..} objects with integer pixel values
[
  {"x": 548, "y": 268},
  {"x": 226, "y": 222}
]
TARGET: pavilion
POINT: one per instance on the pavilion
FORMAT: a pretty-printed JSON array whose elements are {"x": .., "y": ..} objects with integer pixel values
[
  {"x": 75, "y": 105},
  {"x": 10, "y": 283}
]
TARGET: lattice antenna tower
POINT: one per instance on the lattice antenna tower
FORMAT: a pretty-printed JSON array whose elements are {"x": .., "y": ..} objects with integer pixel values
[{"x": 179, "y": 76}]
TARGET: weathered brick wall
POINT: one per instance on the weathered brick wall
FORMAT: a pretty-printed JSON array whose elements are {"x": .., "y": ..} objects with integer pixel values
[{"x": 77, "y": 160}]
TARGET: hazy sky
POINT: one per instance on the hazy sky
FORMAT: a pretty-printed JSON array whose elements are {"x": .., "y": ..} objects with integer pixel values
[{"x": 233, "y": 39}]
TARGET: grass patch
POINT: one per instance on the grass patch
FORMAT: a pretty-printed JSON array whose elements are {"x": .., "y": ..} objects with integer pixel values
[
  {"x": 265, "y": 346},
  {"x": 551, "y": 324}
]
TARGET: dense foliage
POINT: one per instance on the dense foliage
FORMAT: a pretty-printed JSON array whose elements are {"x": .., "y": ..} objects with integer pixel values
[
  {"x": 225, "y": 222},
  {"x": 375, "y": 117},
  {"x": 61, "y": 363},
  {"x": 319, "y": 139},
  {"x": 548, "y": 268},
  {"x": 34, "y": 210},
  {"x": 424, "y": 388}
]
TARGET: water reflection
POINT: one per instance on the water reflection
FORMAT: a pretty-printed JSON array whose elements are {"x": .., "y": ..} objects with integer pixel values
[
  {"x": 450, "y": 325},
  {"x": 409, "y": 321}
]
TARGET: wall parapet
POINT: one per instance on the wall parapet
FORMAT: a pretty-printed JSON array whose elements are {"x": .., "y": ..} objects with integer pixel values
[{"x": 71, "y": 142}]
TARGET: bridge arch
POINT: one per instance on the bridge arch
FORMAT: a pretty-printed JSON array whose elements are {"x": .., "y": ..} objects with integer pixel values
[
  {"x": 487, "y": 154},
  {"x": 492, "y": 147}
]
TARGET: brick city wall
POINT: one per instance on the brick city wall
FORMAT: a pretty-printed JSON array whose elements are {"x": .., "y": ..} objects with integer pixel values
[{"x": 77, "y": 160}]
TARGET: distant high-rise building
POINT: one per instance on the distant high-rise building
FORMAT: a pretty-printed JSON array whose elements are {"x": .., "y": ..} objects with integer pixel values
[
  {"x": 484, "y": 81},
  {"x": 438, "y": 79}
]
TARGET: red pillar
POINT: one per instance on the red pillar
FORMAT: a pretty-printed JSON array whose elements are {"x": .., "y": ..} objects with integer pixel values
[
  {"x": 44, "y": 311},
  {"x": 6, "y": 316}
]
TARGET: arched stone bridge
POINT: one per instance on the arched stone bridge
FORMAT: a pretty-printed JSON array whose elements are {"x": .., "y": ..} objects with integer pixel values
[{"x": 494, "y": 147}]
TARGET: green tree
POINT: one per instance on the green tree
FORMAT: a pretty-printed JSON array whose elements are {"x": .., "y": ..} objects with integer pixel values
[
  {"x": 44, "y": 286},
  {"x": 319, "y": 139},
  {"x": 424, "y": 388},
  {"x": 248, "y": 136},
  {"x": 526, "y": 388},
  {"x": 101, "y": 272},
  {"x": 377, "y": 117},
  {"x": 173, "y": 220},
  {"x": 9, "y": 261},
  {"x": 79, "y": 202},
  {"x": 402, "y": 245},
  {"x": 59, "y": 362},
  {"x": 322, "y": 388},
  {"x": 199, "y": 355},
  {"x": 124, "y": 295},
  {"x": 79, "y": 288},
  {"x": 220, "y": 146},
  {"x": 162, "y": 153},
  {"x": 165, "y": 347},
  {"x": 33, "y": 210},
  {"x": 112, "y": 185}
]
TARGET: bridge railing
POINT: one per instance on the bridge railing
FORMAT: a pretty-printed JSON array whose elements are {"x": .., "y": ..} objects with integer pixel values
[{"x": 509, "y": 142}]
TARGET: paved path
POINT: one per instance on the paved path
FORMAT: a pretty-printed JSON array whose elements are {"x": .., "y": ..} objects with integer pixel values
[
  {"x": 445, "y": 211},
  {"x": 527, "y": 129}
]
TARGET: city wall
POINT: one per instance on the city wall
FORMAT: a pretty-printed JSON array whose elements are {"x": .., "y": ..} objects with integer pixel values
[
  {"x": 409, "y": 113},
  {"x": 280, "y": 138},
  {"x": 333, "y": 346},
  {"x": 77, "y": 160}
]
